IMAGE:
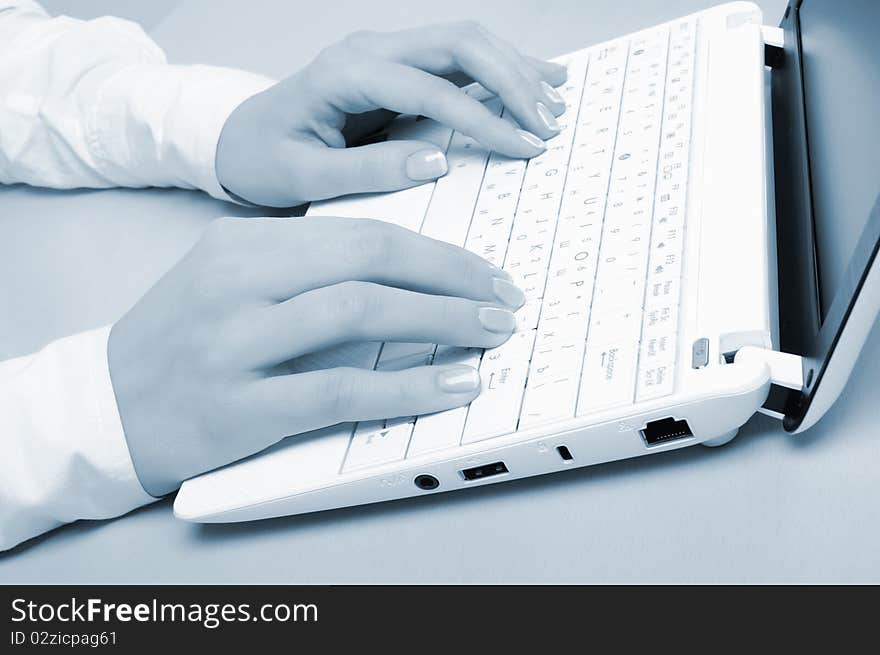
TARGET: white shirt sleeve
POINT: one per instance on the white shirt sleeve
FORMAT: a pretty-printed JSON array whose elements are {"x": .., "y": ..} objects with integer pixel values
[
  {"x": 95, "y": 104},
  {"x": 63, "y": 454},
  {"x": 89, "y": 104}
]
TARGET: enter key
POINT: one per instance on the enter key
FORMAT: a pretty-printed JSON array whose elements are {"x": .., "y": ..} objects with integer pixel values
[{"x": 503, "y": 372}]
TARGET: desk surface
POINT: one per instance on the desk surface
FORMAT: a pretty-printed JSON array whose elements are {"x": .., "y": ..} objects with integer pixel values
[{"x": 767, "y": 507}]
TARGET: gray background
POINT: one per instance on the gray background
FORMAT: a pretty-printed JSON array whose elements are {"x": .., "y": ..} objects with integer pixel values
[{"x": 767, "y": 507}]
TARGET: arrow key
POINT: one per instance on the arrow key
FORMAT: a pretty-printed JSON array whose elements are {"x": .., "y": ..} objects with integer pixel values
[{"x": 372, "y": 444}]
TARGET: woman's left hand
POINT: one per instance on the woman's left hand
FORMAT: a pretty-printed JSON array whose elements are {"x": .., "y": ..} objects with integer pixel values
[{"x": 287, "y": 145}]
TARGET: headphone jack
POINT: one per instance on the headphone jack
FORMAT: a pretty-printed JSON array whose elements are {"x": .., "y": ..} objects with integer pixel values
[{"x": 426, "y": 482}]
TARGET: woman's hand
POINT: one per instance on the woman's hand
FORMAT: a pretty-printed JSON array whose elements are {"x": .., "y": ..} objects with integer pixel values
[
  {"x": 286, "y": 146},
  {"x": 195, "y": 362}
]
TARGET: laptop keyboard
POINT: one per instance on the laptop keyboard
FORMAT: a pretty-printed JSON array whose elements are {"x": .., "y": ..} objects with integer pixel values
[{"x": 591, "y": 230}]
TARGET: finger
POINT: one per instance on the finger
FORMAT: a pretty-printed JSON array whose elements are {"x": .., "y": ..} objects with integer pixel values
[
  {"x": 518, "y": 87},
  {"x": 291, "y": 404},
  {"x": 469, "y": 48},
  {"x": 367, "y": 84},
  {"x": 417, "y": 47},
  {"x": 362, "y": 311},
  {"x": 386, "y": 166},
  {"x": 552, "y": 73},
  {"x": 285, "y": 257},
  {"x": 537, "y": 71}
]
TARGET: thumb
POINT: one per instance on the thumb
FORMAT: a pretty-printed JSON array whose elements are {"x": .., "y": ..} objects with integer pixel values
[{"x": 386, "y": 166}]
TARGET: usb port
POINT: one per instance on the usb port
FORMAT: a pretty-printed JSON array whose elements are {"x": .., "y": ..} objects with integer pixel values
[
  {"x": 484, "y": 471},
  {"x": 666, "y": 429}
]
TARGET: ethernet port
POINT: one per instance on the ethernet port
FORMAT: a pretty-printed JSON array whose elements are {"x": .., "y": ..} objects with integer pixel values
[{"x": 666, "y": 429}]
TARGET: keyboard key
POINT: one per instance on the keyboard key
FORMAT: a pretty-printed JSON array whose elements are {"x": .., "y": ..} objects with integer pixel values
[
  {"x": 493, "y": 216},
  {"x": 655, "y": 381},
  {"x": 503, "y": 371},
  {"x": 623, "y": 324},
  {"x": 456, "y": 355},
  {"x": 662, "y": 319},
  {"x": 437, "y": 431},
  {"x": 608, "y": 376},
  {"x": 355, "y": 355},
  {"x": 564, "y": 323},
  {"x": 372, "y": 444},
  {"x": 552, "y": 400},
  {"x": 396, "y": 356},
  {"x": 662, "y": 290},
  {"x": 657, "y": 348},
  {"x": 527, "y": 316},
  {"x": 452, "y": 203},
  {"x": 443, "y": 429},
  {"x": 626, "y": 290},
  {"x": 555, "y": 359}
]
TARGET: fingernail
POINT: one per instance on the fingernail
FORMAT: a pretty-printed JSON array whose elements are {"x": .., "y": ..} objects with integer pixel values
[
  {"x": 531, "y": 139},
  {"x": 426, "y": 165},
  {"x": 547, "y": 117},
  {"x": 551, "y": 93},
  {"x": 499, "y": 272},
  {"x": 460, "y": 379},
  {"x": 508, "y": 293},
  {"x": 495, "y": 319}
]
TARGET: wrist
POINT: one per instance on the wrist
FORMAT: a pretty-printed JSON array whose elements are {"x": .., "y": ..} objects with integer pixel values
[
  {"x": 243, "y": 149},
  {"x": 145, "y": 446}
]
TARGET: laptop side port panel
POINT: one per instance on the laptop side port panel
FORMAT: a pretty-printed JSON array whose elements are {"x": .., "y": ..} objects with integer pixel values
[{"x": 665, "y": 430}]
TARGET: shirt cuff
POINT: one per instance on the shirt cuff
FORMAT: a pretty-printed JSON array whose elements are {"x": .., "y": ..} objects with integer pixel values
[
  {"x": 156, "y": 124},
  {"x": 64, "y": 453},
  {"x": 223, "y": 91},
  {"x": 95, "y": 416}
]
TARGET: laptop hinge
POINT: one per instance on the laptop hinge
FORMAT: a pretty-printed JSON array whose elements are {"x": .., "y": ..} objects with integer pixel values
[
  {"x": 774, "y": 46},
  {"x": 786, "y": 378}
]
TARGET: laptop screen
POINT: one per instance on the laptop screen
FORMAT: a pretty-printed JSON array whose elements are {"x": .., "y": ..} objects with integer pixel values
[
  {"x": 841, "y": 68},
  {"x": 826, "y": 141}
]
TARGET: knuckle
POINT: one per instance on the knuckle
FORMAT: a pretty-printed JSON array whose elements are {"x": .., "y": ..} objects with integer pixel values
[
  {"x": 337, "y": 390},
  {"x": 208, "y": 350},
  {"x": 472, "y": 34},
  {"x": 512, "y": 84},
  {"x": 531, "y": 75},
  {"x": 373, "y": 243},
  {"x": 356, "y": 303},
  {"x": 231, "y": 338},
  {"x": 359, "y": 39},
  {"x": 330, "y": 58},
  {"x": 397, "y": 397},
  {"x": 448, "y": 312},
  {"x": 472, "y": 276},
  {"x": 447, "y": 99},
  {"x": 470, "y": 28}
]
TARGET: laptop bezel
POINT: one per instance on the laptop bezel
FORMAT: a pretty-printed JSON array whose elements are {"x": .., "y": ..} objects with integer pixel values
[{"x": 802, "y": 329}]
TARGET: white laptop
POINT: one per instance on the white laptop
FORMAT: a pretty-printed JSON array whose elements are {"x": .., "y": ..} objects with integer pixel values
[{"x": 669, "y": 297}]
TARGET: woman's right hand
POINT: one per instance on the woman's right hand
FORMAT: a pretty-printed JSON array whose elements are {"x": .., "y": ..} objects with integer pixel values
[{"x": 194, "y": 363}]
